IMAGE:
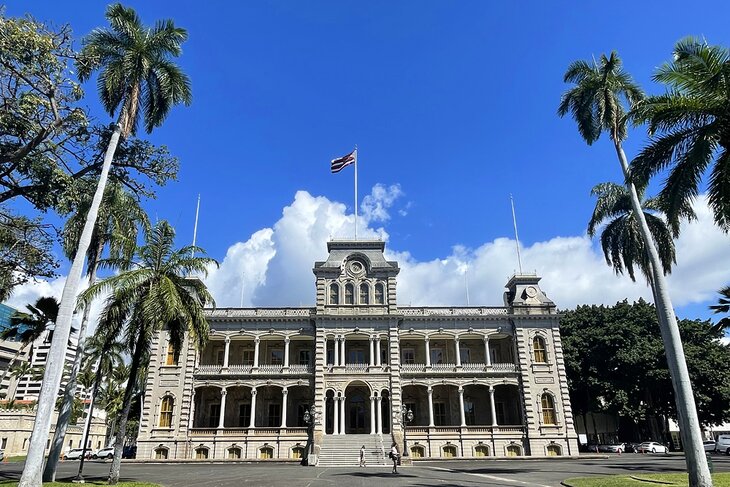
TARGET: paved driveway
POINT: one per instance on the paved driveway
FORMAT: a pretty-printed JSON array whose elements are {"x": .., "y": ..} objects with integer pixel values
[{"x": 483, "y": 473}]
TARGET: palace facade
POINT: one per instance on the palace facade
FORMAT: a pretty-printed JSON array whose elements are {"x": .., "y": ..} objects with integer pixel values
[{"x": 472, "y": 381}]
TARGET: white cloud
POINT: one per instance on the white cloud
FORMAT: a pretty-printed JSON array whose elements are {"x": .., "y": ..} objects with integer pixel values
[{"x": 375, "y": 205}]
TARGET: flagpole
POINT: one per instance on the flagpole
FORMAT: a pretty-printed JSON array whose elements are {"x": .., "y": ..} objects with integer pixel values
[
  {"x": 195, "y": 228},
  {"x": 355, "y": 191},
  {"x": 517, "y": 238}
]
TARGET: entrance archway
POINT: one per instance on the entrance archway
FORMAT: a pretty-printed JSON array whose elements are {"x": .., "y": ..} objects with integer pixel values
[{"x": 357, "y": 409}]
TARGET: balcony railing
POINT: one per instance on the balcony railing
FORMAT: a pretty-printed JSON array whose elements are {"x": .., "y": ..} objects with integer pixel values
[
  {"x": 494, "y": 430},
  {"x": 264, "y": 369},
  {"x": 451, "y": 368},
  {"x": 258, "y": 431}
]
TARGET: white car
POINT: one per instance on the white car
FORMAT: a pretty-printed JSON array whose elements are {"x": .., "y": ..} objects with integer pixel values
[
  {"x": 709, "y": 446},
  {"x": 74, "y": 454},
  {"x": 107, "y": 452},
  {"x": 652, "y": 447},
  {"x": 723, "y": 444}
]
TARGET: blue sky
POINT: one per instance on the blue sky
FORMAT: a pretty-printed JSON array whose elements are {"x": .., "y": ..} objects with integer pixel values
[{"x": 453, "y": 102}]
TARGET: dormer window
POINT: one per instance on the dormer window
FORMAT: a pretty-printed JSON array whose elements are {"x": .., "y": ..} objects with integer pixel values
[
  {"x": 334, "y": 293},
  {"x": 379, "y": 294},
  {"x": 349, "y": 294},
  {"x": 364, "y": 294}
]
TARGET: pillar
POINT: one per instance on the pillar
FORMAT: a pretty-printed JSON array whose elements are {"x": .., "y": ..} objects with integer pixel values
[
  {"x": 336, "y": 413},
  {"x": 324, "y": 414},
  {"x": 342, "y": 411},
  {"x": 286, "y": 353},
  {"x": 325, "y": 350},
  {"x": 428, "y": 351},
  {"x": 458, "y": 352},
  {"x": 257, "y": 342},
  {"x": 379, "y": 407},
  {"x": 492, "y": 406},
  {"x": 284, "y": 394},
  {"x": 342, "y": 353},
  {"x": 377, "y": 351},
  {"x": 252, "y": 423},
  {"x": 372, "y": 415},
  {"x": 461, "y": 406},
  {"x": 223, "y": 408},
  {"x": 225, "y": 353},
  {"x": 430, "y": 406},
  {"x": 486, "y": 352},
  {"x": 372, "y": 351},
  {"x": 336, "y": 344},
  {"x": 191, "y": 419}
]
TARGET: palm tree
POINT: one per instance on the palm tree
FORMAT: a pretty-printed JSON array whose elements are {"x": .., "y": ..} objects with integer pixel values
[
  {"x": 28, "y": 327},
  {"x": 153, "y": 295},
  {"x": 596, "y": 103},
  {"x": 120, "y": 217},
  {"x": 621, "y": 239},
  {"x": 690, "y": 129},
  {"x": 137, "y": 80},
  {"x": 722, "y": 306}
]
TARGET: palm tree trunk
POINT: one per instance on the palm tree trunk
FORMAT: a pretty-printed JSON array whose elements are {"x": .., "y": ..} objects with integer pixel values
[
  {"x": 87, "y": 426},
  {"x": 56, "y": 356},
  {"x": 122, "y": 420},
  {"x": 64, "y": 414},
  {"x": 689, "y": 425},
  {"x": 10, "y": 365}
]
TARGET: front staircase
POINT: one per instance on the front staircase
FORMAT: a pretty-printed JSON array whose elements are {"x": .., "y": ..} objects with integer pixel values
[{"x": 344, "y": 450}]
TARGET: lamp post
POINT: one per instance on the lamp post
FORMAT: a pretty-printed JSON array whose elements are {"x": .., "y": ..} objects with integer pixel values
[
  {"x": 407, "y": 417},
  {"x": 309, "y": 418}
]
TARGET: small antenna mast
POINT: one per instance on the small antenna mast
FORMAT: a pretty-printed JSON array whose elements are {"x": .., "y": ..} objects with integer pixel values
[
  {"x": 195, "y": 228},
  {"x": 517, "y": 238}
]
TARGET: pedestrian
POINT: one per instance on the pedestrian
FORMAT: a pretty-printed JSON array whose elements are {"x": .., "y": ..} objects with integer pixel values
[
  {"x": 362, "y": 456},
  {"x": 394, "y": 455}
]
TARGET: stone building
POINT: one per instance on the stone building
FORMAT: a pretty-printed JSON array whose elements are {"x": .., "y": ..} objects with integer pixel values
[{"x": 474, "y": 381}]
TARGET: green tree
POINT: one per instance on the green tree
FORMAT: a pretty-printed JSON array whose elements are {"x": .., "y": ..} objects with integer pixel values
[
  {"x": 28, "y": 327},
  {"x": 690, "y": 129},
  {"x": 120, "y": 219},
  {"x": 154, "y": 295},
  {"x": 723, "y": 306},
  {"x": 137, "y": 77},
  {"x": 596, "y": 103}
]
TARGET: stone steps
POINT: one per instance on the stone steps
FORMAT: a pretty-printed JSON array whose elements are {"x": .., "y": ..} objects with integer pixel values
[{"x": 344, "y": 450}]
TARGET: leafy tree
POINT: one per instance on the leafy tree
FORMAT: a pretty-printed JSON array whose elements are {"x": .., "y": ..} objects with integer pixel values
[
  {"x": 690, "y": 129},
  {"x": 596, "y": 103},
  {"x": 29, "y": 327},
  {"x": 155, "y": 294},
  {"x": 137, "y": 80}
]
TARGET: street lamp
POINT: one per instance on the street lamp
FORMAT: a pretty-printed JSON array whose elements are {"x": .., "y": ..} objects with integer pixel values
[
  {"x": 407, "y": 417},
  {"x": 309, "y": 417}
]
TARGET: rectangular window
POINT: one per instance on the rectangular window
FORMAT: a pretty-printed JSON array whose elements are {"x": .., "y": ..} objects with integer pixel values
[
  {"x": 331, "y": 355},
  {"x": 437, "y": 356},
  {"x": 464, "y": 355},
  {"x": 274, "y": 415},
  {"x": 70, "y": 443},
  {"x": 244, "y": 415},
  {"x": 494, "y": 355},
  {"x": 219, "y": 354},
  {"x": 277, "y": 356},
  {"x": 214, "y": 416},
  {"x": 247, "y": 357},
  {"x": 4, "y": 444},
  {"x": 408, "y": 356},
  {"x": 469, "y": 414},
  {"x": 501, "y": 419},
  {"x": 305, "y": 357},
  {"x": 356, "y": 356},
  {"x": 98, "y": 445},
  {"x": 171, "y": 358},
  {"x": 439, "y": 413}
]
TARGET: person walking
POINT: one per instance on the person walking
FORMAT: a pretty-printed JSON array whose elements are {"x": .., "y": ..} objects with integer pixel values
[
  {"x": 362, "y": 456},
  {"x": 394, "y": 455}
]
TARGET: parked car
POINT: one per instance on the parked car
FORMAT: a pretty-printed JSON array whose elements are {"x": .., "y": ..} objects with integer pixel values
[
  {"x": 632, "y": 447},
  {"x": 107, "y": 452},
  {"x": 74, "y": 454},
  {"x": 612, "y": 448},
  {"x": 131, "y": 451},
  {"x": 723, "y": 444},
  {"x": 652, "y": 447},
  {"x": 709, "y": 446}
]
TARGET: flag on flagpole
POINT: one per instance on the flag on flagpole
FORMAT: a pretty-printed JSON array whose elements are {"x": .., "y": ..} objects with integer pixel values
[{"x": 339, "y": 163}]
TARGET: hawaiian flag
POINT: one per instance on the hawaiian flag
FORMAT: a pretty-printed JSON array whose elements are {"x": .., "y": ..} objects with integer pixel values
[{"x": 339, "y": 163}]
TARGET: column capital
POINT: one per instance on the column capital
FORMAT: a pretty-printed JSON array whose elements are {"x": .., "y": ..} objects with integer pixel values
[
  {"x": 491, "y": 389},
  {"x": 461, "y": 390},
  {"x": 253, "y": 391},
  {"x": 427, "y": 338},
  {"x": 284, "y": 391},
  {"x": 456, "y": 338},
  {"x": 429, "y": 390},
  {"x": 486, "y": 338},
  {"x": 227, "y": 339},
  {"x": 257, "y": 339},
  {"x": 286, "y": 340},
  {"x": 224, "y": 391}
]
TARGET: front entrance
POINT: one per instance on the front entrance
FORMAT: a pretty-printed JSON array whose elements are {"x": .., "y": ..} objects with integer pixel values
[{"x": 357, "y": 407}]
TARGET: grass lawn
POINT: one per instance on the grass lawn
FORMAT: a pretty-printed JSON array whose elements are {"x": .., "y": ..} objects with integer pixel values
[
  {"x": 19, "y": 458},
  {"x": 676, "y": 479}
]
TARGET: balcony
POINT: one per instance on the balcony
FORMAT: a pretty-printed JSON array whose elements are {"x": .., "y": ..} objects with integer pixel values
[
  {"x": 476, "y": 368},
  {"x": 260, "y": 431},
  {"x": 247, "y": 370}
]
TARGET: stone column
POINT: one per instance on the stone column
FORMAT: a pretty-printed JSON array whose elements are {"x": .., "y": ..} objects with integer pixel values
[
  {"x": 379, "y": 407},
  {"x": 373, "y": 413},
  {"x": 342, "y": 412},
  {"x": 252, "y": 423},
  {"x": 342, "y": 354},
  {"x": 191, "y": 419},
  {"x": 324, "y": 414},
  {"x": 458, "y": 351},
  {"x": 286, "y": 352},
  {"x": 336, "y": 344},
  {"x": 284, "y": 394},
  {"x": 372, "y": 351},
  {"x": 427, "y": 342},
  {"x": 325, "y": 350},
  {"x": 223, "y": 408},
  {"x": 378, "y": 362},
  {"x": 430, "y": 406},
  {"x": 488, "y": 358},
  {"x": 225, "y": 353},
  {"x": 336, "y": 413},
  {"x": 492, "y": 406},
  {"x": 461, "y": 406},
  {"x": 257, "y": 342}
]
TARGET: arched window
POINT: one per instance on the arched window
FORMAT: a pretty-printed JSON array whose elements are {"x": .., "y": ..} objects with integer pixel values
[
  {"x": 538, "y": 350},
  {"x": 201, "y": 453},
  {"x": 364, "y": 294},
  {"x": 171, "y": 357},
  {"x": 266, "y": 452},
  {"x": 379, "y": 294},
  {"x": 160, "y": 453},
  {"x": 349, "y": 294},
  {"x": 548, "y": 409},
  {"x": 449, "y": 451},
  {"x": 553, "y": 450},
  {"x": 297, "y": 452},
  {"x": 417, "y": 451},
  {"x": 334, "y": 293},
  {"x": 481, "y": 451},
  {"x": 234, "y": 453},
  {"x": 168, "y": 403},
  {"x": 514, "y": 450}
]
